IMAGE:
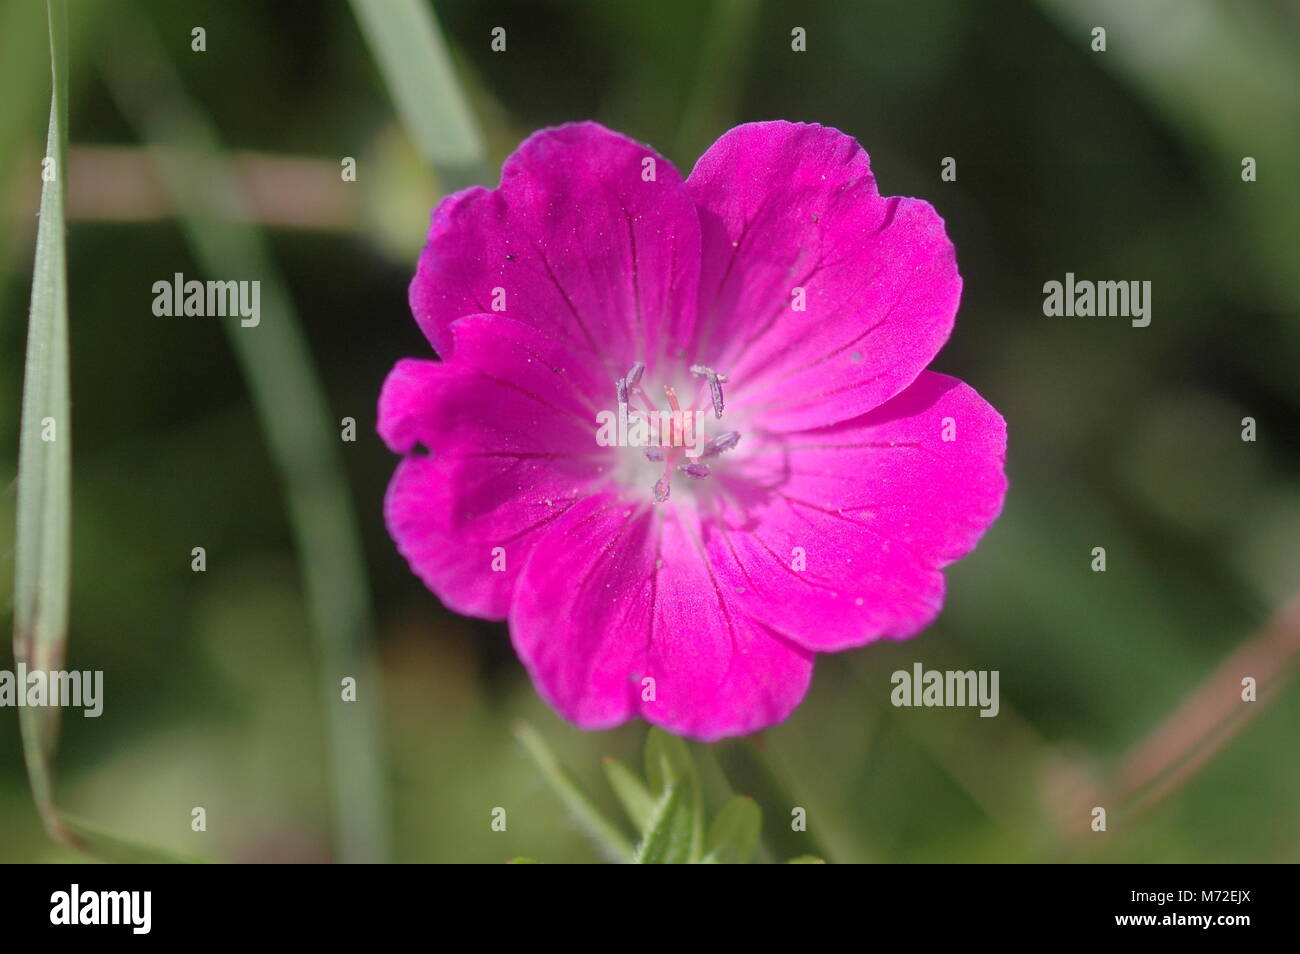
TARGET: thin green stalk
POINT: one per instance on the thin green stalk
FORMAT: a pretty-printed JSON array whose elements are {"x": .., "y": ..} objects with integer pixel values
[
  {"x": 724, "y": 56},
  {"x": 607, "y": 836},
  {"x": 295, "y": 417},
  {"x": 404, "y": 37}
]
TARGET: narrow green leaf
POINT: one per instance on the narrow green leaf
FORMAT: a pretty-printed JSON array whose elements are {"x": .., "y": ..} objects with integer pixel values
[
  {"x": 42, "y": 549},
  {"x": 733, "y": 835},
  {"x": 668, "y": 760},
  {"x": 404, "y": 37},
  {"x": 43, "y": 542},
  {"x": 24, "y": 66},
  {"x": 807, "y": 860},
  {"x": 726, "y": 46},
  {"x": 106, "y": 846},
  {"x": 668, "y": 837},
  {"x": 632, "y": 793},
  {"x": 600, "y": 829},
  {"x": 291, "y": 406}
]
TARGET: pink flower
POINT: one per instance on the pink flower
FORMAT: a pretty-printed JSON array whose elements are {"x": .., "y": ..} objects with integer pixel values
[{"x": 775, "y": 286}]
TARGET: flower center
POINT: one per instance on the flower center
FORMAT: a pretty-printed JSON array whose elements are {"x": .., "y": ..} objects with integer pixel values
[{"x": 674, "y": 434}]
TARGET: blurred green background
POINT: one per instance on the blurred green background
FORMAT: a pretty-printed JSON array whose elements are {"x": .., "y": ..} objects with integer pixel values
[{"x": 1123, "y": 164}]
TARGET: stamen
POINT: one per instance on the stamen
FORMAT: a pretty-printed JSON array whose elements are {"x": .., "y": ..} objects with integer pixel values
[
  {"x": 723, "y": 442},
  {"x": 620, "y": 388},
  {"x": 670, "y": 456},
  {"x": 622, "y": 385},
  {"x": 716, "y": 381}
]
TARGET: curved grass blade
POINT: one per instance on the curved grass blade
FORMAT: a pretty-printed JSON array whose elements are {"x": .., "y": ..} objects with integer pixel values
[
  {"x": 404, "y": 37},
  {"x": 607, "y": 836},
  {"x": 294, "y": 413},
  {"x": 43, "y": 541},
  {"x": 632, "y": 793},
  {"x": 23, "y": 66},
  {"x": 43, "y": 544},
  {"x": 102, "y": 844}
]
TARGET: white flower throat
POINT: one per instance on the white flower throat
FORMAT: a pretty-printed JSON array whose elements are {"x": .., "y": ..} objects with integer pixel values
[{"x": 671, "y": 435}]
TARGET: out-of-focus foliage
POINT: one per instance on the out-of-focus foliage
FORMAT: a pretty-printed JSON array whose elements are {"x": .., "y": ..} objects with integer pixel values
[{"x": 1067, "y": 159}]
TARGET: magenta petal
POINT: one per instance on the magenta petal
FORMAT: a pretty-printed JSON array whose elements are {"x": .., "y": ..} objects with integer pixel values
[
  {"x": 837, "y": 535},
  {"x": 615, "y": 595},
  {"x": 792, "y": 205},
  {"x": 459, "y": 571},
  {"x": 591, "y": 238},
  {"x": 509, "y": 437},
  {"x": 405, "y": 405}
]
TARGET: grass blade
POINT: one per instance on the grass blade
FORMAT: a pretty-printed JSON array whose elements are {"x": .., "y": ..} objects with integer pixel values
[
  {"x": 632, "y": 793},
  {"x": 104, "y": 845},
  {"x": 725, "y": 52},
  {"x": 290, "y": 402},
  {"x": 43, "y": 542},
  {"x": 605, "y": 833},
  {"x": 404, "y": 37},
  {"x": 23, "y": 66}
]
